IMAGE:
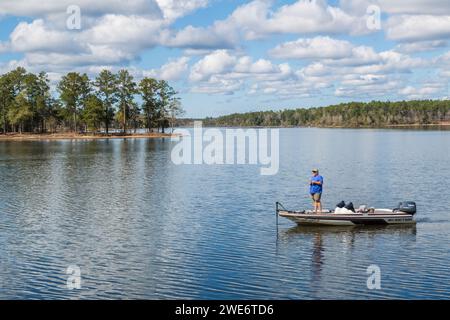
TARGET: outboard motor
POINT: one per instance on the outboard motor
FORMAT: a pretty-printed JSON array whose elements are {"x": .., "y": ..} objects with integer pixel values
[
  {"x": 350, "y": 206},
  {"x": 407, "y": 207}
]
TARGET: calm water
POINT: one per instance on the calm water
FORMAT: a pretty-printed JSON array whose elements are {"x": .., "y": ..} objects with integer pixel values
[{"x": 140, "y": 227}]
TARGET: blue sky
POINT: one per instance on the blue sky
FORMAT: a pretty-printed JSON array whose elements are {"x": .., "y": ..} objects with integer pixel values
[{"x": 227, "y": 56}]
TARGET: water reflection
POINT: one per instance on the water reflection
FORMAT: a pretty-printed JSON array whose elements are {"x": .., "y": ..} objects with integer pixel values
[
  {"x": 317, "y": 257},
  {"x": 335, "y": 252},
  {"x": 351, "y": 231}
]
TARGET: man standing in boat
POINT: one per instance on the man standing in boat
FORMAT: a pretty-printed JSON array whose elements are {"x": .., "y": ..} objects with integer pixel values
[{"x": 315, "y": 189}]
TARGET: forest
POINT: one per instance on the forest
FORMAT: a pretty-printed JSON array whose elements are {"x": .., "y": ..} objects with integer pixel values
[
  {"x": 111, "y": 101},
  {"x": 352, "y": 115}
]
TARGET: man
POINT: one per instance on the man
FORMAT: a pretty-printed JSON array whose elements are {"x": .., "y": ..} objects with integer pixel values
[{"x": 315, "y": 189}]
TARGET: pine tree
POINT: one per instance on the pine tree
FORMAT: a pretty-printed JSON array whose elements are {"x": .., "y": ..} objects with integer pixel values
[{"x": 106, "y": 84}]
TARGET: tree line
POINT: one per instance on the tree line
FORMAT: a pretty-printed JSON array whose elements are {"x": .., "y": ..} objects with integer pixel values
[
  {"x": 353, "y": 114},
  {"x": 83, "y": 104}
]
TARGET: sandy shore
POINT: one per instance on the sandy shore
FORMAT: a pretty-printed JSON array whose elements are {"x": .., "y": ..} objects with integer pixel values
[{"x": 73, "y": 136}]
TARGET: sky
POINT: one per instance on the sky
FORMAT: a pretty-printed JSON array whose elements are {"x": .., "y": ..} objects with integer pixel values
[{"x": 228, "y": 56}]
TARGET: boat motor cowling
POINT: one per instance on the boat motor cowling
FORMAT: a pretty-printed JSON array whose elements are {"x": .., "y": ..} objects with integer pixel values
[
  {"x": 407, "y": 207},
  {"x": 341, "y": 204},
  {"x": 350, "y": 206}
]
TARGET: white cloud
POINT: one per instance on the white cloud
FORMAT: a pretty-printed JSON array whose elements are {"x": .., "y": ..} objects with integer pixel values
[
  {"x": 303, "y": 16},
  {"x": 113, "y": 31},
  {"x": 174, "y": 9},
  {"x": 418, "y": 27},
  {"x": 312, "y": 16},
  {"x": 425, "y": 91},
  {"x": 327, "y": 50},
  {"x": 99, "y": 55},
  {"x": 437, "y": 7},
  {"x": 372, "y": 75},
  {"x": 223, "y": 64},
  {"x": 112, "y": 39},
  {"x": 36, "y": 36},
  {"x": 173, "y": 70},
  {"x": 362, "y": 72},
  {"x": 246, "y": 65},
  {"x": 256, "y": 20},
  {"x": 56, "y": 10},
  {"x": 383, "y": 63},
  {"x": 217, "y": 62},
  {"x": 369, "y": 90},
  {"x": 167, "y": 9},
  {"x": 361, "y": 55},
  {"x": 223, "y": 72},
  {"x": 421, "y": 46},
  {"x": 217, "y": 85},
  {"x": 124, "y": 30},
  {"x": 314, "y": 48},
  {"x": 202, "y": 38}
]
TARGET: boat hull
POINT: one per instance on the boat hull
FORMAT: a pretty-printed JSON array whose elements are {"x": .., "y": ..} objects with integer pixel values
[{"x": 331, "y": 219}]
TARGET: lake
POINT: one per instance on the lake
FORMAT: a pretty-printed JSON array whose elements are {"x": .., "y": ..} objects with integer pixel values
[{"x": 140, "y": 227}]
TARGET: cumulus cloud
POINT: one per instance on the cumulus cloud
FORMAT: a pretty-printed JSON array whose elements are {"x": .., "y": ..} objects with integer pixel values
[
  {"x": 222, "y": 63},
  {"x": 437, "y": 7},
  {"x": 314, "y": 48},
  {"x": 304, "y": 16},
  {"x": 422, "y": 92},
  {"x": 202, "y": 38},
  {"x": 173, "y": 70},
  {"x": 221, "y": 69},
  {"x": 113, "y": 39},
  {"x": 369, "y": 90},
  {"x": 112, "y": 32},
  {"x": 418, "y": 27},
  {"x": 383, "y": 73},
  {"x": 217, "y": 62},
  {"x": 124, "y": 30},
  {"x": 167, "y": 9},
  {"x": 360, "y": 71},
  {"x": 421, "y": 46},
  {"x": 217, "y": 85},
  {"x": 343, "y": 53},
  {"x": 37, "y": 36},
  {"x": 257, "y": 20},
  {"x": 174, "y": 9}
]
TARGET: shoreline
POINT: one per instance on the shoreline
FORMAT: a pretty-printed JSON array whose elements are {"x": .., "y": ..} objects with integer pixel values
[
  {"x": 74, "y": 136},
  {"x": 390, "y": 126},
  {"x": 156, "y": 135}
]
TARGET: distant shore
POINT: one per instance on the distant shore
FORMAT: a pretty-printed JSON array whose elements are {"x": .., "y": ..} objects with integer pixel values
[
  {"x": 374, "y": 114},
  {"x": 153, "y": 135},
  {"x": 389, "y": 126},
  {"x": 74, "y": 136}
]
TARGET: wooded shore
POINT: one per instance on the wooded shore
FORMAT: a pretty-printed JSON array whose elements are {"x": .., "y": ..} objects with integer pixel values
[
  {"x": 375, "y": 114},
  {"x": 86, "y": 136}
]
